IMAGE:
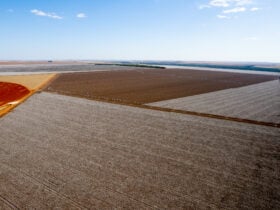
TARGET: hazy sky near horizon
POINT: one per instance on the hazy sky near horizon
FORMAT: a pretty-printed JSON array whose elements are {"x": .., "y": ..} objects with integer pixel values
[{"x": 197, "y": 30}]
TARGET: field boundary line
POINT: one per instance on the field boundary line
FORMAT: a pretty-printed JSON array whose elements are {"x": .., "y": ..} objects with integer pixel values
[
  {"x": 221, "y": 117},
  {"x": 178, "y": 111},
  {"x": 47, "y": 82},
  {"x": 6, "y": 108}
]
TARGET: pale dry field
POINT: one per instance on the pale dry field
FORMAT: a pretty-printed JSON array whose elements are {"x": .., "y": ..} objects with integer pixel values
[
  {"x": 71, "y": 153},
  {"x": 32, "y": 82},
  {"x": 260, "y": 102}
]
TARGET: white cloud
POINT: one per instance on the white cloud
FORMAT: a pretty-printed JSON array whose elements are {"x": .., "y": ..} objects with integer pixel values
[
  {"x": 228, "y": 7},
  {"x": 243, "y": 2},
  {"x": 222, "y": 17},
  {"x": 220, "y": 3},
  {"x": 235, "y": 10},
  {"x": 228, "y": 3},
  {"x": 45, "y": 14},
  {"x": 81, "y": 15},
  {"x": 254, "y": 9}
]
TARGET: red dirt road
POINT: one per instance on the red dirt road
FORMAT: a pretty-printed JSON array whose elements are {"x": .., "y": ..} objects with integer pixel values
[{"x": 10, "y": 92}]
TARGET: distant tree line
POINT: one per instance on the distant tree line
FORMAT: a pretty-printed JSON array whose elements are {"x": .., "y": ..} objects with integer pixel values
[{"x": 221, "y": 66}]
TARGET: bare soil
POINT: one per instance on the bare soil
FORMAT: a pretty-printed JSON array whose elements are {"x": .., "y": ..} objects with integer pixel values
[
  {"x": 61, "y": 152},
  {"x": 259, "y": 102},
  {"x": 149, "y": 85}
]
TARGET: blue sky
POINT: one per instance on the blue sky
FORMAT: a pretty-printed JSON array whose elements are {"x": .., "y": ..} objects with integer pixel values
[{"x": 196, "y": 30}]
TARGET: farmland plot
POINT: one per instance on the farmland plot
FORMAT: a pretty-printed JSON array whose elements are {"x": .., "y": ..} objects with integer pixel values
[
  {"x": 260, "y": 102},
  {"x": 32, "y": 82},
  {"x": 149, "y": 85},
  {"x": 87, "y": 154},
  {"x": 56, "y": 68},
  {"x": 15, "y": 89}
]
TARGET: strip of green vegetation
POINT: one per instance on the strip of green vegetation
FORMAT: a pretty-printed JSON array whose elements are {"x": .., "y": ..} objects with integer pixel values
[{"x": 236, "y": 67}]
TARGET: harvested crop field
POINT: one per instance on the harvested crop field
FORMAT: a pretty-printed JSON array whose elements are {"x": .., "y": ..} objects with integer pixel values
[
  {"x": 149, "y": 85},
  {"x": 88, "y": 154},
  {"x": 259, "y": 102},
  {"x": 32, "y": 82}
]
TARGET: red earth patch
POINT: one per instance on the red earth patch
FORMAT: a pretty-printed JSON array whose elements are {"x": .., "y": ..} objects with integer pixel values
[{"x": 10, "y": 92}]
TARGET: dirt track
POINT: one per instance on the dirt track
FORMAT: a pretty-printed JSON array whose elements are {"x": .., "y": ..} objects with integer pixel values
[
  {"x": 87, "y": 154},
  {"x": 146, "y": 86}
]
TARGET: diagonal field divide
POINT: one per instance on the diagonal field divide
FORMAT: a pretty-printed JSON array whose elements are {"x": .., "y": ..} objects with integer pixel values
[
  {"x": 29, "y": 83},
  {"x": 163, "y": 109},
  {"x": 142, "y": 87},
  {"x": 221, "y": 117}
]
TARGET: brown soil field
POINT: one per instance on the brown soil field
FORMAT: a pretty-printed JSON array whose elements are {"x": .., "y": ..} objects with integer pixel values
[
  {"x": 149, "y": 85},
  {"x": 258, "y": 102}
]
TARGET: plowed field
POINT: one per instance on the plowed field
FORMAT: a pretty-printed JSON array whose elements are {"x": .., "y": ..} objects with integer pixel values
[
  {"x": 61, "y": 152},
  {"x": 149, "y": 85},
  {"x": 259, "y": 102}
]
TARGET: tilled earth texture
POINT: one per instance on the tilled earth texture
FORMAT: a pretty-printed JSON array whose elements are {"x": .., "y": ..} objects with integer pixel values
[
  {"x": 259, "y": 102},
  {"x": 61, "y": 152},
  {"x": 149, "y": 85}
]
